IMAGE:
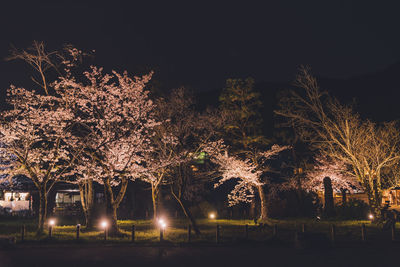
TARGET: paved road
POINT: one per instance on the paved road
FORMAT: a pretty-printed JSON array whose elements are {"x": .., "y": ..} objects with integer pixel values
[{"x": 198, "y": 256}]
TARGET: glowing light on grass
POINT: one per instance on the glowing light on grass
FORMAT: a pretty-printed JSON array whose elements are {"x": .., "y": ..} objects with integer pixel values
[
  {"x": 52, "y": 222},
  {"x": 212, "y": 215},
  {"x": 371, "y": 216}
]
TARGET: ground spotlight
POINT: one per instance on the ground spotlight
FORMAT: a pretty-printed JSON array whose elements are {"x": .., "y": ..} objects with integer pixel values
[
  {"x": 52, "y": 222},
  {"x": 162, "y": 223},
  {"x": 104, "y": 224}
]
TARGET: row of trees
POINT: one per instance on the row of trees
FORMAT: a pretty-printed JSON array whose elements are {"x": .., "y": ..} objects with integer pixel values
[
  {"x": 89, "y": 127},
  {"x": 94, "y": 127}
]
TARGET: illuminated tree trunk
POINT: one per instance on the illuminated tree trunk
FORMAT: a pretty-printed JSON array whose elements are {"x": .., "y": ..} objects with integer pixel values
[
  {"x": 263, "y": 203},
  {"x": 154, "y": 198},
  {"x": 87, "y": 201},
  {"x": 376, "y": 209},
  {"x": 113, "y": 203},
  {"x": 374, "y": 193},
  {"x": 114, "y": 229},
  {"x": 42, "y": 208}
]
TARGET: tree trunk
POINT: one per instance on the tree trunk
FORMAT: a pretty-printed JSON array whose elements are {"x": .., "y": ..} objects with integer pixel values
[
  {"x": 375, "y": 201},
  {"x": 376, "y": 207},
  {"x": 42, "y": 208},
  {"x": 300, "y": 194},
  {"x": 159, "y": 201},
  {"x": 263, "y": 203},
  {"x": 376, "y": 210},
  {"x": 51, "y": 201},
  {"x": 252, "y": 212},
  {"x": 87, "y": 202},
  {"x": 113, "y": 204},
  {"x": 344, "y": 196},
  {"x": 154, "y": 194},
  {"x": 188, "y": 214},
  {"x": 114, "y": 229}
]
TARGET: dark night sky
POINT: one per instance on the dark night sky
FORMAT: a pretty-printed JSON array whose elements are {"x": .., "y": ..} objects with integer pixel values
[{"x": 199, "y": 44}]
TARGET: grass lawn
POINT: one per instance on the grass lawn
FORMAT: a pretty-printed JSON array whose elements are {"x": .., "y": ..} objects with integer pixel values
[{"x": 231, "y": 231}]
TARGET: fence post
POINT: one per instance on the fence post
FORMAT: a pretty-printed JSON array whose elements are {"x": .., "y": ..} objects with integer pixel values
[
  {"x": 133, "y": 233},
  {"x": 246, "y": 231},
  {"x": 394, "y": 231},
  {"x": 161, "y": 234},
  {"x": 105, "y": 234},
  {"x": 189, "y": 233},
  {"x": 23, "y": 233},
  {"x": 275, "y": 230},
  {"x": 333, "y": 234},
  {"x": 303, "y": 228},
  {"x": 363, "y": 233},
  {"x": 50, "y": 231},
  {"x": 78, "y": 228},
  {"x": 217, "y": 234}
]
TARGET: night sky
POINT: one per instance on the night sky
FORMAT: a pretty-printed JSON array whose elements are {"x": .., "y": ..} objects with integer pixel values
[{"x": 200, "y": 44}]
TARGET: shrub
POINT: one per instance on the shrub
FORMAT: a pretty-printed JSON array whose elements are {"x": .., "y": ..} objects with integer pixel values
[
  {"x": 353, "y": 209},
  {"x": 292, "y": 203},
  {"x": 202, "y": 209}
]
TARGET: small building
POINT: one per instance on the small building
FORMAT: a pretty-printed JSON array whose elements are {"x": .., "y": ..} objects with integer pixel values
[
  {"x": 67, "y": 197},
  {"x": 16, "y": 195},
  {"x": 67, "y": 201},
  {"x": 64, "y": 200},
  {"x": 338, "y": 197},
  {"x": 16, "y": 201},
  {"x": 392, "y": 197}
]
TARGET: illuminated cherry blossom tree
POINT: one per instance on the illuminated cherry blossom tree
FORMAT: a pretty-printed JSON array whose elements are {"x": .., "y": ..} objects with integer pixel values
[
  {"x": 114, "y": 119},
  {"x": 247, "y": 172},
  {"x": 33, "y": 133},
  {"x": 36, "y": 130},
  {"x": 84, "y": 172},
  {"x": 342, "y": 179},
  {"x": 157, "y": 167}
]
